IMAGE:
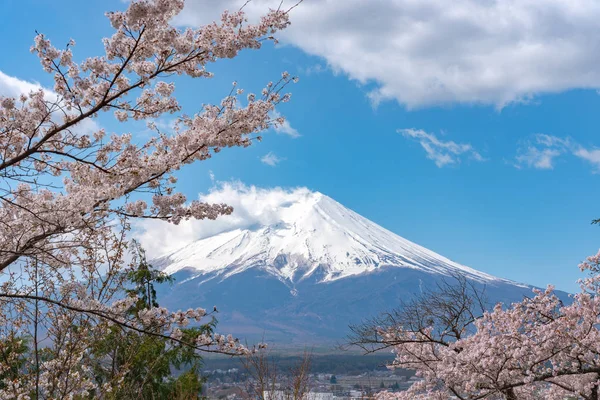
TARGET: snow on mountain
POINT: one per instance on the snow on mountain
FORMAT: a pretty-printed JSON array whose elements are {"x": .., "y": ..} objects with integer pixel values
[
  {"x": 297, "y": 267},
  {"x": 309, "y": 234}
]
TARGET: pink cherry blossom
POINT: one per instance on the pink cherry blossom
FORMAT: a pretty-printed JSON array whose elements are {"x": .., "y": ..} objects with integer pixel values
[
  {"x": 68, "y": 195},
  {"x": 537, "y": 348}
]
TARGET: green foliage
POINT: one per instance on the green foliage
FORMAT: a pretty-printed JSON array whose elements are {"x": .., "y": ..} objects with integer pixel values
[
  {"x": 143, "y": 279},
  {"x": 156, "y": 367},
  {"x": 14, "y": 352},
  {"x": 333, "y": 380},
  {"x": 127, "y": 364}
]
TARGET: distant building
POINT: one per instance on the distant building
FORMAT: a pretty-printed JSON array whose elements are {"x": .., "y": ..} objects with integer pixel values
[
  {"x": 318, "y": 396},
  {"x": 356, "y": 394},
  {"x": 281, "y": 395}
]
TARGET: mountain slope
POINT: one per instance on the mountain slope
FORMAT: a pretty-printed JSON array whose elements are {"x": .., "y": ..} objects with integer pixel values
[
  {"x": 315, "y": 234},
  {"x": 314, "y": 269}
]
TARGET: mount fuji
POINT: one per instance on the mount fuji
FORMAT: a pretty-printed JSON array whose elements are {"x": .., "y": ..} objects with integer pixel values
[{"x": 314, "y": 268}]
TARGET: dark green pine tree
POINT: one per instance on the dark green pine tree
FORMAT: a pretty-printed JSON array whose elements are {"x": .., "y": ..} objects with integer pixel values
[{"x": 157, "y": 368}]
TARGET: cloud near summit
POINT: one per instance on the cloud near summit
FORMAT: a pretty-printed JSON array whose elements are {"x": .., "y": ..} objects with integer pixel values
[
  {"x": 431, "y": 52},
  {"x": 252, "y": 206}
]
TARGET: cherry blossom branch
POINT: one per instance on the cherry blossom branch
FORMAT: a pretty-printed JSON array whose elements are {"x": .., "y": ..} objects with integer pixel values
[{"x": 103, "y": 315}]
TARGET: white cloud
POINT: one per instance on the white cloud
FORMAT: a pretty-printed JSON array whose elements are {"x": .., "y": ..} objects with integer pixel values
[
  {"x": 552, "y": 141},
  {"x": 538, "y": 158},
  {"x": 284, "y": 128},
  {"x": 542, "y": 151},
  {"x": 437, "y": 52},
  {"x": 314, "y": 69},
  {"x": 165, "y": 123},
  {"x": 441, "y": 152},
  {"x": 271, "y": 159},
  {"x": 252, "y": 206},
  {"x": 592, "y": 156},
  {"x": 11, "y": 86}
]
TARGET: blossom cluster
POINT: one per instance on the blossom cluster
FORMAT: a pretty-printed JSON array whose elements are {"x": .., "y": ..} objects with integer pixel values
[
  {"x": 42, "y": 138},
  {"x": 69, "y": 188},
  {"x": 537, "y": 348}
]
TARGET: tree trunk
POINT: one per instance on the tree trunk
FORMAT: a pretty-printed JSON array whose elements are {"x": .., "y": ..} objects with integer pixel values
[{"x": 510, "y": 394}]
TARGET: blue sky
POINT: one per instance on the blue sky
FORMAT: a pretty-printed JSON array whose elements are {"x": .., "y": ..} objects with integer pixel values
[{"x": 510, "y": 183}]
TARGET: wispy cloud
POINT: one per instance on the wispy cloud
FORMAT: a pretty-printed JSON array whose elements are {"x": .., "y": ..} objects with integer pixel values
[
  {"x": 592, "y": 156},
  {"x": 443, "y": 153},
  {"x": 285, "y": 128},
  {"x": 541, "y": 151},
  {"x": 538, "y": 158},
  {"x": 271, "y": 159},
  {"x": 314, "y": 69}
]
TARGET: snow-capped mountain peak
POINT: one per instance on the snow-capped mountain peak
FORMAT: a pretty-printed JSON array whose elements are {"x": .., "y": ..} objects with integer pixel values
[{"x": 312, "y": 236}]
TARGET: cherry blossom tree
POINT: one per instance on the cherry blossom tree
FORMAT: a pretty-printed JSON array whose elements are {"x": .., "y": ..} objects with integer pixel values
[
  {"x": 267, "y": 382},
  {"x": 68, "y": 192},
  {"x": 533, "y": 349}
]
